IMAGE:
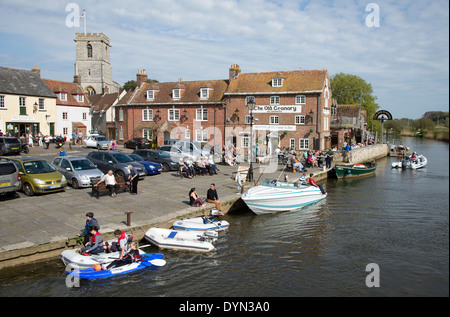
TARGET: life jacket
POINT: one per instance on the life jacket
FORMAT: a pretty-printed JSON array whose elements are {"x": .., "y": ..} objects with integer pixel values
[
  {"x": 123, "y": 236},
  {"x": 88, "y": 226},
  {"x": 133, "y": 256},
  {"x": 92, "y": 239}
]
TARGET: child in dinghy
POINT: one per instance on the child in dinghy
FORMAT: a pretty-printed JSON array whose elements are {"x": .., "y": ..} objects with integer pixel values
[{"x": 130, "y": 257}]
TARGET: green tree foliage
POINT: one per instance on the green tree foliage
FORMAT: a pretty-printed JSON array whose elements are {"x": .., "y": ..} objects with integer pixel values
[
  {"x": 132, "y": 84},
  {"x": 352, "y": 89}
]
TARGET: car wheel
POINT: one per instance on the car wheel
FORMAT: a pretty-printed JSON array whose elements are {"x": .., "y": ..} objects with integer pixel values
[
  {"x": 27, "y": 189},
  {"x": 166, "y": 167},
  {"x": 75, "y": 183},
  {"x": 99, "y": 147},
  {"x": 120, "y": 174}
]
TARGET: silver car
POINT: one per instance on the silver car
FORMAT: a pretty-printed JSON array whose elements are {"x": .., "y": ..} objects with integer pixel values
[
  {"x": 97, "y": 141},
  {"x": 79, "y": 171}
]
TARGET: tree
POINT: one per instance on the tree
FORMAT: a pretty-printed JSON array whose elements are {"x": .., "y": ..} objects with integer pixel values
[
  {"x": 130, "y": 85},
  {"x": 352, "y": 89}
]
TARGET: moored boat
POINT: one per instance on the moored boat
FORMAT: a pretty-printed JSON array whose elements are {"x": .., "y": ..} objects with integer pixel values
[
  {"x": 344, "y": 171},
  {"x": 181, "y": 239},
  {"x": 419, "y": 162},
  {"x": 275, "y": 196},
  {"x": 202, "y": 223},
  {"x": 80, "y": 261}
]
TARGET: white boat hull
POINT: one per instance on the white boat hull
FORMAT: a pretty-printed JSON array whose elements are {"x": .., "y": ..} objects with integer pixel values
[
  {"x": 200, "y": 224},
  {"x": 419, "y": 162},
  {"x": 182, "y": 239},
  {"x": 80, "y": 262},
  {"x": 267, "y": 200}
]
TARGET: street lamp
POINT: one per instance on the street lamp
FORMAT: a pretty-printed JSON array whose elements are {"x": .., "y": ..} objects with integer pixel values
[{"x": 251, "y": 106}]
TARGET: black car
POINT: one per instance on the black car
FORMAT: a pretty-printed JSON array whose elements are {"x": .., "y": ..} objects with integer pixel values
[
  {"x": 117, "y": 162},
  {"x": 138, "y": 143},
  {"x": 159, "y": 156},
  {"x": 9, "y": 145}
]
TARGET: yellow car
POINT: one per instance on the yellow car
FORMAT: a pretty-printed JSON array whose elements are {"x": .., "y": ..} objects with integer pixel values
[{"x": 39, "y": 176}]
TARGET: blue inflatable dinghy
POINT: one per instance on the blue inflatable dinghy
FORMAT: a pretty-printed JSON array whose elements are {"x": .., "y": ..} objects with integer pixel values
[{"x": 148, "y": 260}]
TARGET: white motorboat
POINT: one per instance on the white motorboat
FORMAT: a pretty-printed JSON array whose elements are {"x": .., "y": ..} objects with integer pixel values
[
  {"x": 202, "y": 223},
  {"x": 181, "y": 239},
  {"x": 419, "y": 162},
  {"x": 414, "y": 163},
  {"x": 275, "y": 196}
]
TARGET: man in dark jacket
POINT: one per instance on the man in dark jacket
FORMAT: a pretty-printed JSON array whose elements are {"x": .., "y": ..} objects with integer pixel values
[{"x": 212, "y": 197}]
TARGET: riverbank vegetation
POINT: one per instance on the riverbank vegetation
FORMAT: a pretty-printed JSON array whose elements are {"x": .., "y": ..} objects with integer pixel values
[{"x": 432, "y": 125}]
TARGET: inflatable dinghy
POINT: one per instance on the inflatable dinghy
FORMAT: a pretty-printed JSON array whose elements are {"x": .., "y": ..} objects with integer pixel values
[{"x": 182, "y": 240}]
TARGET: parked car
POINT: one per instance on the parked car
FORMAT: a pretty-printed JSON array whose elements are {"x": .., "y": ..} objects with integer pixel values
[
  {"x": 159, "y": 156},
  {"x": 116, "y": 161},
  {"x": 189, "y": 146},
  {"x": 138, "y": 143},
  {"x": 97, "y": 141},
  {"x": 174, "y": 151},
  {"x": 38, "y": 176},
  {"x": 152, "y": 167},
  {"x": 79, "y": 171},
  {"x": 9, "y": 177},
  {"x": 10, "y": 145}
]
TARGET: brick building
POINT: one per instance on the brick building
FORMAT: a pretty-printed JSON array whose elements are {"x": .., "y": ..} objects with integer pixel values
[
  {"x": 175, "y": 110},
  {"x": 292, "y": 110}
]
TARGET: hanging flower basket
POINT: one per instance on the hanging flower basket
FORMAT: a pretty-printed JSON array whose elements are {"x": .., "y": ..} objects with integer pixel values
[{"x": 311, "y": 130}]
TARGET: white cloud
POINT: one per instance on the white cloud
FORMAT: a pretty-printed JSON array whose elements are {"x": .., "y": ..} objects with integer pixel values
[{"x": 200, "y": 39}]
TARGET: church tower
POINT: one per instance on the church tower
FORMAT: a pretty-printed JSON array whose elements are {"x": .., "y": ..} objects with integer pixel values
[{"x": 93, "y": 69}]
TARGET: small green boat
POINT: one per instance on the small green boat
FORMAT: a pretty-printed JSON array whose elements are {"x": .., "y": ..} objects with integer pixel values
[{"x": 344, "y": 171}]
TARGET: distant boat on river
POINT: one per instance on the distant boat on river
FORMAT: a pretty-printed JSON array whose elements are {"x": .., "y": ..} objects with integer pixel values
[{"x": 344, "y": 171}]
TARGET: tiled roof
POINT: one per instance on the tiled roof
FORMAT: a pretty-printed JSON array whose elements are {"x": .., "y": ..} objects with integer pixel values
[
  {"x": 23, "y": 82},
  {"x": 348, "y": 110},
  {"x": 190, "y": 94},
  {"x": 103, "y": 102},
  {"x": 70, "y": 89},
  {"x": 293, "y": 81}
]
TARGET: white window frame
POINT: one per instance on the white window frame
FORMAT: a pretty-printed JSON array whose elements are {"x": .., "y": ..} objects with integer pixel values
[
  {"x": 2, "y": 102},
  {"x": 65, "y": 116},
  {"x": 84, "y": 116},
  {"x": 41, "y": 106},
  {"x": 277, "y": 82},
  {"x": 274, "y": 100},
  {"x": 176, "y": 94},
  {"x": 187, "y": 133},
  {"x": 248, "y": 98},
  {"x": 248, "y": 119},
  {"x": 201, "y": 114},
  {"x": 80, "y": 98},
  {"x": 204, "y": 93},
  {"x": 65, "y": 131},
  {"x": 147, "y": 114},
  {"x": 245, "y": 142},
  {"x": 292, "y": 143},
  {"x": 274, "y": 120},
  {"x": 201, "y": 135},
  {"x": 300, "y": 100},
  {"x": 150, "y": 95},
  {"x": 147, "y": 133},
  {"x": 303, "y": 144},
  {"x": 22, "y": 102},
  {"x": 300, "y": 120},
  {"x": 173, "y": 114},
  {"x": 120, "y": 114}
]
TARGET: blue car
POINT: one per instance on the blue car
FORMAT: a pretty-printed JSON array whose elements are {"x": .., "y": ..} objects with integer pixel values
[{"x": 152, "y": 167}]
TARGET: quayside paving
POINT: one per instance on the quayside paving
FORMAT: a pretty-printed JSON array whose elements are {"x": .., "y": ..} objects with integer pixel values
[{"x": 41, "y": 227}]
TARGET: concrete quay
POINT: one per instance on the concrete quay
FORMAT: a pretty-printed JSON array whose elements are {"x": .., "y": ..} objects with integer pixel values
[{"x": 41, "y": 227}]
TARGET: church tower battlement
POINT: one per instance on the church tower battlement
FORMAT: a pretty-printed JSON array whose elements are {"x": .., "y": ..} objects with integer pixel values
[{"x": 92, "y": 63}]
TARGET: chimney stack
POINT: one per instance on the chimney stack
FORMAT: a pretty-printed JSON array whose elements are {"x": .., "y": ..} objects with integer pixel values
[
  {"x": 77, "y": 79},
  {"x": 141, "y": 77},
  {"x": 235, "y": 70},
  {"x": 37, "y": 71}
]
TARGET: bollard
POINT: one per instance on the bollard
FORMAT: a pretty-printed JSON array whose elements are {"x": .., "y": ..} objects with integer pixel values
[{"x": 128, "y": 213}]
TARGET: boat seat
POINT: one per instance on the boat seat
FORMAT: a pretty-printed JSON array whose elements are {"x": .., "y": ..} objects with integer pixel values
[{"x": 172, "y": 235}]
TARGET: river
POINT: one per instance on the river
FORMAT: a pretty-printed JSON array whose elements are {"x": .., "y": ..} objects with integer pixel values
[{"x": 397, "y": 222}]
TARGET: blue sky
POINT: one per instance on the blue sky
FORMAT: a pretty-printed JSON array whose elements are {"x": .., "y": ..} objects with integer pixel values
[{"x": 406, "y": 58}]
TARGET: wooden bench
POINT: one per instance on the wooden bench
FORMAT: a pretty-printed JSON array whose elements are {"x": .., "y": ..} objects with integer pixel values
[{"x": 102, "y": 189}]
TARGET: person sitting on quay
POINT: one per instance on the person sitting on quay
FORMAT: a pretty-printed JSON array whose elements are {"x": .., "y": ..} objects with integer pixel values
[
  {"x": 184, "y": 168},
  {"x": 212, "y": 197},
  {"x": 110, "y": 182},
  {"x": 297, "y": 164},
  {"x": 201, "y": 165},
  {"x": 195, "y": 200},
  {"x": 212, "y": 164}
]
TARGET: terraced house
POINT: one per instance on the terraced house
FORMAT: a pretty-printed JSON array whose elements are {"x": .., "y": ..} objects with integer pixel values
[
  {"x": 290, "y": 109},
  {"x": 27, "y": 104}
]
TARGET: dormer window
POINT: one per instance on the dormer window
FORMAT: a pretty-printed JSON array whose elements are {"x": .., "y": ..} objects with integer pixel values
[
  {"x": 62, "y": 96},
  {"x": 79, "y": 98},
  {"x": 150, "y": 95},
  {"x": 176, "y": 94},
  {"x": 277, "y": 82},
  {"x": 204, "y": 93}
]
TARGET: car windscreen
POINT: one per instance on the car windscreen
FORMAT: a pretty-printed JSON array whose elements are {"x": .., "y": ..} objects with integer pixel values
[
  {"x": 102, "y": 138},
  {"x": 7, "y": 169},
  {"x": 37, "y": 167},
  {"x": 122, "y": 158},
  {"x": 135, "y": 157},
  {"x": 79, "y": 165},
  {"x": 164, "y": 154}
]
